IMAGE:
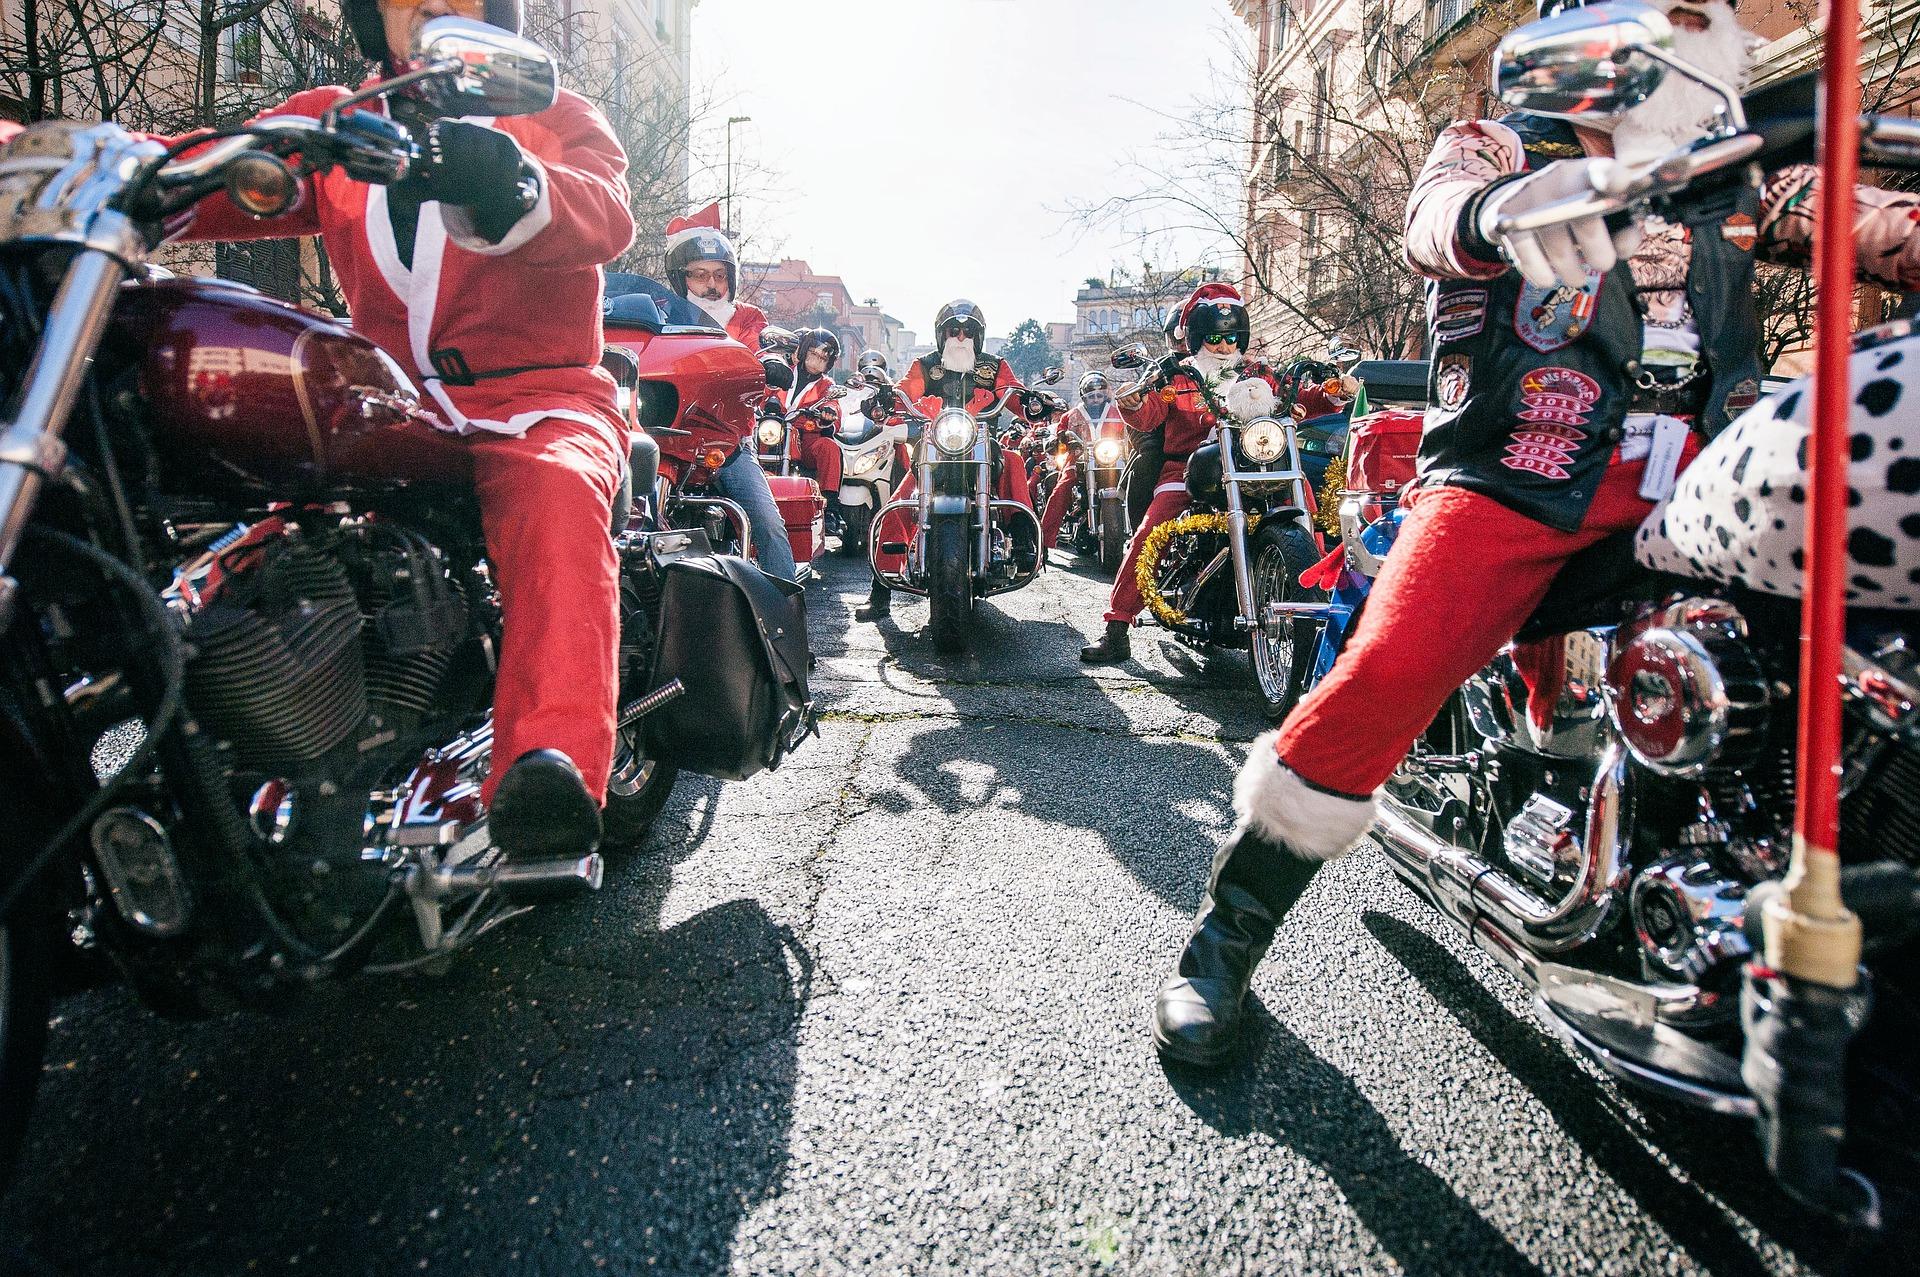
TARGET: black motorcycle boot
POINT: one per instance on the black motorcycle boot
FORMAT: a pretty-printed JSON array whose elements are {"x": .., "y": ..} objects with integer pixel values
[
  {"x": 879, "y": 604},
  {"x": 1197, "y": 1017},
  {"x": 1111, "y": 650},
  {"x": 542, "y": 810}
]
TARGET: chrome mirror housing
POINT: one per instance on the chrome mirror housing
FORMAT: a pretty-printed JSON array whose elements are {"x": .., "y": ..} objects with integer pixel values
[
  {"x": 498, "y": 73},
  {"x": 1596, "y": 60}
]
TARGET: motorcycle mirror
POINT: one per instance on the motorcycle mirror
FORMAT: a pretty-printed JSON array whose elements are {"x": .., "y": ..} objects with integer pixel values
[
  {"x": 1053, "y": 374},
  {"x": 1598, "y": 59},
  {"x": 1132, "y": 356},
  {"x": 498, "y": 73},
  {"x": 838, "y": 392}
]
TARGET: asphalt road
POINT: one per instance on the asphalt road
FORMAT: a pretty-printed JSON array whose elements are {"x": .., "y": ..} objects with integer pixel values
[{"x": 883, "y": 1010}]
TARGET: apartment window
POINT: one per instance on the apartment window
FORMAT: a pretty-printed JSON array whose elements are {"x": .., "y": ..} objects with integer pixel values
[
  {"x": 1322, "y": 108},
  {"x": 1280, "y": 20},
  {"x": 1442, "y": 14},
  {"x": 1311, "y": 262},
  {"x": 246, "y": 46},
  {"x": 1379, "y": 34}
]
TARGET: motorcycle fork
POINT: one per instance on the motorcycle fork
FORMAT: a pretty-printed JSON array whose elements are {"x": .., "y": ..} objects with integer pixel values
[
  {"x": 1237, "y": 545},
  {"x": 983, "y": 508}
]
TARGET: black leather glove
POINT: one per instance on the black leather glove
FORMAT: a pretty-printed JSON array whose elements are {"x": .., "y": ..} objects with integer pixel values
[
  {"x": 477, "y": 168},
  {"x": 879, "y": 405},
  {"x": 779, "y": 375},
  {"x": 1036, "y": 407}
]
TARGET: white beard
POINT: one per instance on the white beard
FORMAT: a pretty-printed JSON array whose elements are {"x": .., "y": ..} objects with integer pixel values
[
  {"x": 721, "y": 310},
  {"x": 1212, "y": 366},
  {"x": 957, "y": 354},
  {"x": 1679, "y": 111}
]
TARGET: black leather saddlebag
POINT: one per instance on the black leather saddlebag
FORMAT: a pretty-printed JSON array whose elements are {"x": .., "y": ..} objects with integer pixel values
[{"x": 737, "y": 639}]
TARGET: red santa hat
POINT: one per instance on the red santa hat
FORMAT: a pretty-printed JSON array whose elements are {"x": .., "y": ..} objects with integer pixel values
[
  {"x": 705, "y": 221},
  {"x": 1210, "y": 293}
]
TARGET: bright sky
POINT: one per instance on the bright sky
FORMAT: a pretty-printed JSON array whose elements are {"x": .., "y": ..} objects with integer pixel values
[{"x": 929, "y": 149}]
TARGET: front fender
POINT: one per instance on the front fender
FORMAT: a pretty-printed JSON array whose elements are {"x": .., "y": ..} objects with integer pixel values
[{"x": 943, "y": 504}]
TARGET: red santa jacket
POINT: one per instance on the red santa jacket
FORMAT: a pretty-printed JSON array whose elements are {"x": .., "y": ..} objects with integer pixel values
[
  {"x": 1179, "y": 405},
  {"x": 746, "y": 325},
  {"x": 531, "y": 301},
  {"x": 1110, "y": 425},
  {"x": 809, "y": 395}
]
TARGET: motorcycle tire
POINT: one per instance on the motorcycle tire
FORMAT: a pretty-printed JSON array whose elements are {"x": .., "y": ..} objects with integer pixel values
[
  {"x": 949, "y": 583},
  {"x": 26, "y": 985},
  {"x": 636, "y": 791},
  {"x": 1277, "y": 556},
  {"x": 853, "y": 539},
  {"x": 1113, "y": 535}
]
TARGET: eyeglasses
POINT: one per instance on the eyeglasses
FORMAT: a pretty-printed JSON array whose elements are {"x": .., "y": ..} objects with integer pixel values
[
  {"x": 1220, "y": 339},
  {"x": 475, "y": 9}
]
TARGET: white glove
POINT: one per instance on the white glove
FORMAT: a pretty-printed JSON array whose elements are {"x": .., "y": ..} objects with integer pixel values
[
  {"x": 1249, "y": 397},
  {"x": 1563, "y": 253}
]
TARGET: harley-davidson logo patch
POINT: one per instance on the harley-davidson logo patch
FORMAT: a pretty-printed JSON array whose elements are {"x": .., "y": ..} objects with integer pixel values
[
  {"x": 1453, "y": 381},
  {"x": 1549, "y": 318},
  {"x": 1745, "y": 393},
  {"x": 1739, "y": 231}
]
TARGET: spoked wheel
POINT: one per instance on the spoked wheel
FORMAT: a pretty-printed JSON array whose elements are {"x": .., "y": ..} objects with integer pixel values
[
  {"x": 636, "y": 791},
  {"x": 949, "y": 584},
  {"x": 1113, "y": 534},
  {"x": 1277, "y": 557},
  {"x": 26, "y": 959}
]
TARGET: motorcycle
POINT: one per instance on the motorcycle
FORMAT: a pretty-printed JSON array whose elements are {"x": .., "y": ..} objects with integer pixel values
[
  {"x": 870, "y": 474},
  {"x": 802, "y": 507},
  {"x": 959, "y": 551},
  {"x": 1608, "y": 808},
  {"x": 1226, "y": 574},
  {"x": 1096, "y": 516},
  {"x": 247, "y": 625}
]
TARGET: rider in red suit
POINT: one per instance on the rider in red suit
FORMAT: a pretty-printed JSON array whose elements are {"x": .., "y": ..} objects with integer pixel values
[
  {"x": 480, "y": 274},
  {"x": 1092, "y": 419},
  {"x": 1214, "y": 373},
  {"x": 814, "y": 356},
  {"x": 702, "y": 267},
  {"x": 956, "y": 374}
]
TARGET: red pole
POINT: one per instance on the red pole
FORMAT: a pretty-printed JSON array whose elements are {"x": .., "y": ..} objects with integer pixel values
[{"x": 1810, "y": 949}]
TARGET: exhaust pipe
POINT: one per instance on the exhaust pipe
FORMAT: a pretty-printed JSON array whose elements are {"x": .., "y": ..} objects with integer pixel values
[
  {"x": 518, "y": 879},
  {"x": 1473, "y": 892}
]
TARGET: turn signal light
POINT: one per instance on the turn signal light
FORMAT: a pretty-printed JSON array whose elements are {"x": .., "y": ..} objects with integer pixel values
[
  {"x": 714, "y": 458},
  {"x": 262, "y": 185}
]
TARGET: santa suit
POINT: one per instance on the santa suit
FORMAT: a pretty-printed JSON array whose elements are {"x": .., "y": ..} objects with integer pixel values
[
  {"x": 1182, "y": 410},
  {"x": 746, "y": 324},
  {"x": 813, "y": 443},
  {"x": 506, "y": 339},
  {"x": 925, "y": 395},
  {"x": 1110, "y": 426}
]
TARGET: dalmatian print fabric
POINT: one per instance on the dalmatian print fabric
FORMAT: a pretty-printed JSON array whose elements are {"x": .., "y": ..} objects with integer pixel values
[{"x": 1738, "y": 514}]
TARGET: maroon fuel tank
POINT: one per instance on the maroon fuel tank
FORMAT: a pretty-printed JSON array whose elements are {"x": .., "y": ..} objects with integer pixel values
[{"x": 239, "y": 388}]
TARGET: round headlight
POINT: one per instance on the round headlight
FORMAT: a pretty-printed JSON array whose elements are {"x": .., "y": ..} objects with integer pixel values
[
  {"x": 866, "y": 463},
  {"x": 1107, "y": 452},
  {"x": 1263, "y": 440},
  {"x": 954, "y": 432},
  {"x": 770, "y": 434}
]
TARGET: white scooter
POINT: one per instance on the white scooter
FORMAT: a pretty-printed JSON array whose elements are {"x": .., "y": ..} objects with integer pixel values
[{"x": 869, "y": 472}]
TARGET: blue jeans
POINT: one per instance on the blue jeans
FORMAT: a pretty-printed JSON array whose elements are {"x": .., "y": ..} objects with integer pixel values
[{"x": 743, "y": 481}]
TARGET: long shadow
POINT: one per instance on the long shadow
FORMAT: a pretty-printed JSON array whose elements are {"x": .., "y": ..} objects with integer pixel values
[
  {"x": 1291, "y": 1095},
  {"x": 583, "y": 1091},
  {"x": 1719, "y": 1156}
]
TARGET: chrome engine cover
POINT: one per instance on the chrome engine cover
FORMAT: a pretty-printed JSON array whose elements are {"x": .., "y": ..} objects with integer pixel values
[
  {"x": 1687, "y": 693},
  {"x": 1687, "y": 917}
]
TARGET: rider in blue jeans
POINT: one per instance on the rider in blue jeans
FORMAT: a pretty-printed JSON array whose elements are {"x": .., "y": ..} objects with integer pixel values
[{"x": 743, "y": 481}]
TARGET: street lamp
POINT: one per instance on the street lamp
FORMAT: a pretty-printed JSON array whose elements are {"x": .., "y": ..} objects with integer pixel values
[{"x": 731, "y": 121}]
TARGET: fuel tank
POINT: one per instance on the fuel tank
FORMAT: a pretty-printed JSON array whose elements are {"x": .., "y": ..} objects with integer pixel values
[{"x": 242, "y": 390}]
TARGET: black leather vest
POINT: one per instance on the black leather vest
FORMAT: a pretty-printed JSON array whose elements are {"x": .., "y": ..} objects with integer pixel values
[{"x": 1528, "y": 387}]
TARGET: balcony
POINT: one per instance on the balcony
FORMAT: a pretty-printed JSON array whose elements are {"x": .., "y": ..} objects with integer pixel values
[{"x": 1457, "y": 32}]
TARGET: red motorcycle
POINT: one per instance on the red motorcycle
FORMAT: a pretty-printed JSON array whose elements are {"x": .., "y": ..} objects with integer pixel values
[{"x": 247, "y": 625}]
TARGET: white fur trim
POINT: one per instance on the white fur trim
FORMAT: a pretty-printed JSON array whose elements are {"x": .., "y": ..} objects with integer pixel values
[
  {"x": 680, "y": 237},
  {"x": 1275, "y": 803},
  {"x": 461, "y": 230},
  {"x": 1249, "y": 397}
]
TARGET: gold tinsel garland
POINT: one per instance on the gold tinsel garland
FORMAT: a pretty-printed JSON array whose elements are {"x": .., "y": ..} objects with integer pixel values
[
  {"x": 1146, "y": 572},
  {"x": 1332, "y": 488}
]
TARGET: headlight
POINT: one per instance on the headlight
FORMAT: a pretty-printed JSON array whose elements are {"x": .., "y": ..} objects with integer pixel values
[
  {"x": 1106, "y": 453},
  {"x": 770, "y": 434},
  {"x": 865, "y": 463},
  {"x": 1263, "y": 440},
  {"x": 954, "y": 432}
]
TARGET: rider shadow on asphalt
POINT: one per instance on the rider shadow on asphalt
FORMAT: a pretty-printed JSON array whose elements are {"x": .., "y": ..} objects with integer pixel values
[{"x": 592, "y": 1079}]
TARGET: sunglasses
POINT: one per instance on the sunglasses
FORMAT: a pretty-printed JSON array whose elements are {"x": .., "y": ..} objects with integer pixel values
[
  {"x": 475, "y": 9},
  {"x": 1219, "y": 339}
]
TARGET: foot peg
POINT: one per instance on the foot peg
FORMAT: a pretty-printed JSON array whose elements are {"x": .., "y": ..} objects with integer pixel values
[{"x": 519, "y": 879}]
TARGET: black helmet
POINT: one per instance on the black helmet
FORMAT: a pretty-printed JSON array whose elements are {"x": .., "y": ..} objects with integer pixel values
[
  {"x": 1217, "y": 315},
  {"x": 871, "y": 359},
  {"x": 1172, "y": 329},
  {"x": 809, "y": 340},
  {"x": 702, "y": 244},
  {"x": 370, "y": 31},
  {"x": 965, "y": 316}
]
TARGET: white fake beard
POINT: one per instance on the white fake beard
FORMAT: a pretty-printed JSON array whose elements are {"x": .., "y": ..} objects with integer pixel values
[
  {"x": 957, "y": 354},
  {"x": 1679, "y": 111},
  {"x": 1212, "y": 366},
  {"x": 719, "y": 308}
]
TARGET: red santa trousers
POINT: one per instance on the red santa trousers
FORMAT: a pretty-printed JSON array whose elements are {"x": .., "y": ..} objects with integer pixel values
[
  {"x": 1465, "y": 574},
  {"x": 1056, "y": 511},
  {"x": 819, "y": 454},
  {"x": 1169, "y": 501},
  {"x": 546, "y": 502}
]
